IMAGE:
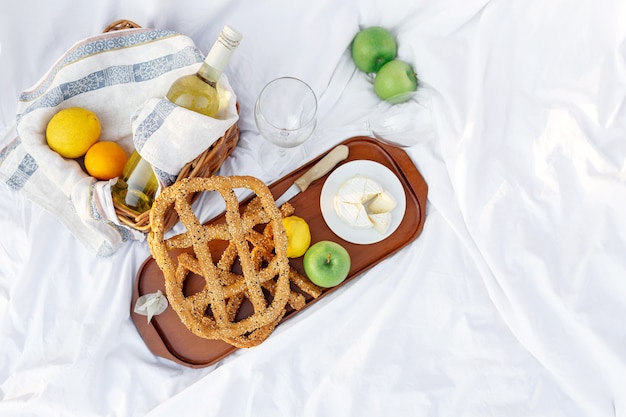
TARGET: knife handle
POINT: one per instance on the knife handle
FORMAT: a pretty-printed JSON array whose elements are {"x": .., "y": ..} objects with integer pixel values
[{"x": 323, "y": 167}]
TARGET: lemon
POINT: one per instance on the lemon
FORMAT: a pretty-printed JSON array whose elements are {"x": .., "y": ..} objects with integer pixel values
[
  {"x": 72, "y": 131},
  {"x": 105, "y": 160},
  {"x": 298, "y": 236}
]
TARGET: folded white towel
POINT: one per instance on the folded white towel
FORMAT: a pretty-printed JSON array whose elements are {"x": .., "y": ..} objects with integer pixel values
[
  {"x": 122, "y": 77},
  {"x": 169, "y": 136}
]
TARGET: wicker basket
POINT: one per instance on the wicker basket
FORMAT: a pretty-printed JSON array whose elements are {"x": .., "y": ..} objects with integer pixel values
[{"x": 204, "y": 165}]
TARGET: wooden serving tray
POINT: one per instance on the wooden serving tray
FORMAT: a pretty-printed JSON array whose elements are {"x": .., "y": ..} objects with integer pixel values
[{"x": 167, "y": 337}]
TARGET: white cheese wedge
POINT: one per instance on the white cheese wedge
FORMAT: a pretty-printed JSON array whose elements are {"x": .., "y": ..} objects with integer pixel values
[
  {"x": 362, "y": 203},
  {"x": 382, "y": 203},
  {"x": 359, "y": 189},
  {"x": 354, "y": 214},
  {"x": 381, "y": 221},
  {"x": 350, "y": 198}
]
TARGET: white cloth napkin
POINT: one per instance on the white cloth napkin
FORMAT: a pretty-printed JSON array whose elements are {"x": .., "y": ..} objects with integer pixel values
[
  {"x": 169, "y": 136},
  {"x": 121, "y": 76}
]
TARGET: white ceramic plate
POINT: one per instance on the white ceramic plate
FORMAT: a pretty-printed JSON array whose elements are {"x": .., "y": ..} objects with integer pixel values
[{"x": 379, "y": 173}]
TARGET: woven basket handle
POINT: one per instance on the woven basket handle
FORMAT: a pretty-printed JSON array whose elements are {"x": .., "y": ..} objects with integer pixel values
[{"x": 120, "y": 25}]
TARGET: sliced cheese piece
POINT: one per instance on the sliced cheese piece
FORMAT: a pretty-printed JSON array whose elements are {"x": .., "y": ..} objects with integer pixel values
[
  {"x": 381, "y": 221},
  {"x": 359, "y": 189},
  {"x": 382, "y": 203},
  {"x": 354, "y": 214},
  {"x": 362, "y": 203}
]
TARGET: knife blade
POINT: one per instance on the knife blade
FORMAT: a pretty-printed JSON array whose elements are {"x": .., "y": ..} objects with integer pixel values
[{"x": 317, "y": 171}]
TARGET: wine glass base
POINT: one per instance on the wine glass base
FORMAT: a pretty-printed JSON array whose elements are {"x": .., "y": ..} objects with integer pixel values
[{"x": 275, "y": 160}]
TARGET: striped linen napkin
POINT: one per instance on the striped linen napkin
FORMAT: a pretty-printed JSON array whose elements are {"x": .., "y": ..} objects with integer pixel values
[{"x": 122, "y": 77}]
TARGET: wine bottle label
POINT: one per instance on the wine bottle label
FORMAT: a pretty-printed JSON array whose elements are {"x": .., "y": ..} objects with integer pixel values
[{"x": 223, "y": 48}]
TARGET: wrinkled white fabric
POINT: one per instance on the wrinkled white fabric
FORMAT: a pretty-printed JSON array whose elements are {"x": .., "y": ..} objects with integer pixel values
[{"x": 511, "y": 301}]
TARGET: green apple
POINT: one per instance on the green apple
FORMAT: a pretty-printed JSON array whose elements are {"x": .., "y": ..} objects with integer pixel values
[
  {"x": 326, "y": 263},
  {"x": 395, "y": 81},
  {"x": 372, "y": 48}
]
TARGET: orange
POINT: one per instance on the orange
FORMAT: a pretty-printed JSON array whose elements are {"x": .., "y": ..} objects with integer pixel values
[{"x": 105, "y": 160}]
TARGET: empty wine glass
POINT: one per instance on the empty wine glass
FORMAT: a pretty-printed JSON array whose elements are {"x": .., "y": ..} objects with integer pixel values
[
  {"x": 404, "y": 124},
  {"x": 286, "y": 115}
]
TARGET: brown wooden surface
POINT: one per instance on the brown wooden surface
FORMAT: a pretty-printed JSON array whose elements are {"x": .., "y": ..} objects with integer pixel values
[{"x": 167, "y": 337}]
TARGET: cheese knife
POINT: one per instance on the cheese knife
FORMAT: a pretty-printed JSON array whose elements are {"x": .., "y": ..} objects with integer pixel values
[{"x": 317, "y": 171}]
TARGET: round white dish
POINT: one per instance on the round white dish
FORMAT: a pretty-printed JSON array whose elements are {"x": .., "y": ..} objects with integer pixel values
[{"x": 377, "y": 172}]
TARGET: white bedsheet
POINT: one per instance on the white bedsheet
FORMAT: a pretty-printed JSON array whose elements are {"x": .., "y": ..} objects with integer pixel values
[{"x": 510, "y": 303}]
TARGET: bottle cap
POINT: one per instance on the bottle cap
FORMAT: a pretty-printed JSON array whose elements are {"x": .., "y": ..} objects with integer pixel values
[{"x": 232, "y": 34}]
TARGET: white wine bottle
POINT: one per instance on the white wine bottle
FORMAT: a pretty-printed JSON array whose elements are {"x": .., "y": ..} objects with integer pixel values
[
  {"x": 136, "y": 188},
  {"x": 198, "y": 91}
]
